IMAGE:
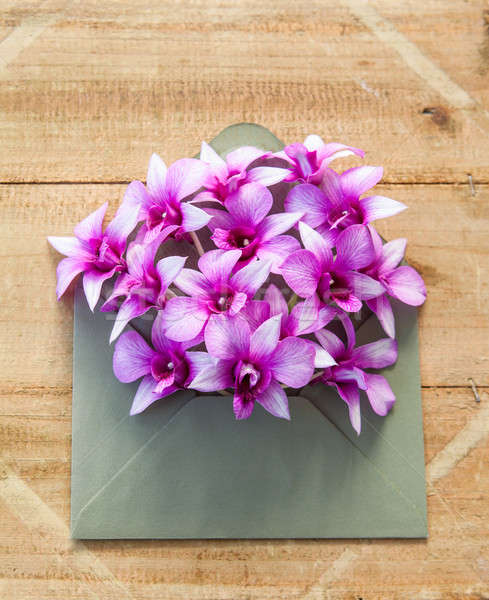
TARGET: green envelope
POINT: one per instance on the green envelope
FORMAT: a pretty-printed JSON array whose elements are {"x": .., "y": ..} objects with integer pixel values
[{"x": 185, "y": 468}]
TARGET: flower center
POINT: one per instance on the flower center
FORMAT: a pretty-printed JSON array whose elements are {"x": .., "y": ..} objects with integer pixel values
[{"x": 107, "y": 258}]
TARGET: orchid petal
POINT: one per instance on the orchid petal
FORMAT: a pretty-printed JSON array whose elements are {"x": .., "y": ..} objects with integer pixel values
[
  {"x": 211, "y": 157},
  {"x": 92, "y": 285},
  {"x": 330, "y": 342},
  {"x": 147, "y": 394},
  {"x": 91, "y": 227},
  {"x": 132, "y": 307},
  {"x": 405, "y": 284},
  {"x": 376, "y": 355},
  {"x": 350, "y": 394},
  {"x": 184, "y": 177},
  {"x": 314, "y": 242},
  {"x": 159, "y": 339},
  {"x": 122, "y": 225},
  {"x": 184, "y": 318},
  {"x": 267, "y": 176},
  {"x": 333, "y": 150},
  {"x": 274, "y": 400},
  {"x": 67, "y": 270},
  {"x": 382, "y": 308},
  {"x": 350, "y": 304},
  {"x": 380, "y": 394},
  {"x": 136, "y": 194},
  {"x": 292, "y": 363},
  {"x": 278, "y": 304},
  {"x": 226, "y": 338},
  {"x": 255, "y": 313},
  {"x": 376, "y": 242},
  {"x": 331, "y": 186},
  {"x": 274, "y": 225},
  {"x": 329, "y": 234},
  {"x": 313, "y": 142},
  {"x": 357, "y": 181},
  {"x": 132, "y": 357},
  {"x": 364, "y": 286},
  {"x": 250, "y": 204},
  {"x": 354, "y": 248},
  {"x": 301, "y": 271},
  {"x": 156, "y": 178},
  {"x": 350, "y": 374},
  {"x": 242, "y": 408},
  {"x": 193, "y": 217},
  {"x": 220, "y": 219},
  {"x": 241, "y": 158},
  {"x": 322, "y": 358},
  {"x": 239, "y": 301},
  {"x": 379, "y": 207},
  {"x": 217, "y": 265},
  {"x": 197, "y": 362},
  {"x": 217, "y": 377},
  {"x": 192, "y": 283},
  {"x": 349, "y": 330},
  {"x": 168, "y": 269},
  {"x": 324, "y": 316},
  {"x": 309, "y": 200},
  {"x": 69, "y": 246},
  {"x": 265, "y": 339},
  {"x": 303, "y": 316},
  {"x": 277, "y": 250},
  {"x": 392, "y": 254},
  {"x": 251, "y": 277}
]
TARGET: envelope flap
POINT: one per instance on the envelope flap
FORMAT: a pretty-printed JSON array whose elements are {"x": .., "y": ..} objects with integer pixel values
[
  {"x": 102, "y": 426},
  {"x": 210, "y": 476},
  {"x": 394, "y": 443}
]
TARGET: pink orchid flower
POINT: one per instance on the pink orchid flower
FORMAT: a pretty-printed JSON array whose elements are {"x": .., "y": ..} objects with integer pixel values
[
  {"x": 308, "y": 160},
  {"x": 230, "y": 174},
  {"x": 337, "y": 205},
  {"x": 160, "y": 202},
  {"x": 246, "y": 225},
  {"x": 166, "y": 368},
  {"x": 213, "y": 290},
  {"x": 143, "y": 286},
  {"x": 333, "y": 278},
  {"x": 96, "y": 254},
  {"x": 348, "y": 375},
  {"x": 254, "y": 364},
  {"x": 403, "y": 283}
]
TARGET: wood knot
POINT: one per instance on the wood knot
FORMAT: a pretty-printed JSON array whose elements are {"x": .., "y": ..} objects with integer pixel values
[{"x": 439, "y": 115}]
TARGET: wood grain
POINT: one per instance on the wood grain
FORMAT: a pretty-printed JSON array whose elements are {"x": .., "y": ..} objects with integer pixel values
[
  {"x": 87, "y": 92},
  {"x": 103, "y": 87}
]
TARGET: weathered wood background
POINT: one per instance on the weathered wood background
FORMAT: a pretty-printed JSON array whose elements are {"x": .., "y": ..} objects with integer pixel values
[{"x": 87, "y": 91}]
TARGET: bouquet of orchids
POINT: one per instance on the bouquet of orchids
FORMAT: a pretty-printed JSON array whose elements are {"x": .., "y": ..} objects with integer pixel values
[{"x": 290, "y": 255}]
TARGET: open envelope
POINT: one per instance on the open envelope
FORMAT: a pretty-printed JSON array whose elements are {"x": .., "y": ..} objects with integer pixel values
[{"x": 185, "y": 468}]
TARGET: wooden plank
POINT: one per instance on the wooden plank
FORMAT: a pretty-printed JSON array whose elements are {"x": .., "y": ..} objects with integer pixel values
[
  {"x": 452, "y": 563},
  {"x": 448, "y": 245},
  {"x": 102, "y": 87},
  {"x": 466, "y": 58}
]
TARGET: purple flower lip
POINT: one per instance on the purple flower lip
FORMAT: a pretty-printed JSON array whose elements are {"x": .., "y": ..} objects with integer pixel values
[{"x": 164, "y": 215}]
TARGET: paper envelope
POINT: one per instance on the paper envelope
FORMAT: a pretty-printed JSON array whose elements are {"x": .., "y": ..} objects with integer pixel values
[{"x": 185, "y": 468}]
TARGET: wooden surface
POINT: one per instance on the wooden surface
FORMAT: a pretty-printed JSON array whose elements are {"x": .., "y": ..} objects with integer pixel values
[{"x": 87, "y": 91}]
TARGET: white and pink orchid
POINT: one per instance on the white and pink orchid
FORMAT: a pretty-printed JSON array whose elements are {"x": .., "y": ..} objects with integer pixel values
[{"x": 214, "y": 330}]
